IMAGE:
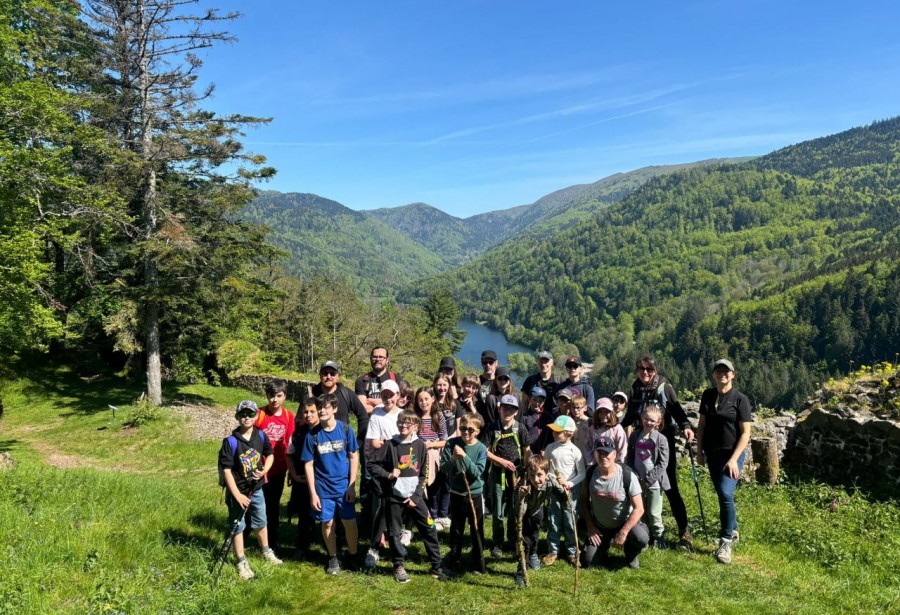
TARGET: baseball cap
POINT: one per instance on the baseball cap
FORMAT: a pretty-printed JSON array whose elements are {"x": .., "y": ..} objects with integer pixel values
[
  {"x": 620, "y": 394},
  {"x": 447, "y": 363},
  {"x": 604, "y": 402},
  {"x": 489, "y": 354},
  {"x": 545, "y": 355},
  {"x": 573, "y": 361},
  {"x": 509, "y": 400},
  {"x": 330, "y": 364},
  {"x": 604, "y": 444},
  {"x": 502, "y": 372},
  {"x": 564, "y": 423},
  {"x": 247, "y": 407},
  {"x": 565, "y": 392},
  {"x": 724, "y": 362},
  {"x": 390, "y": 385},
  {"x": 538, "y": 392}
]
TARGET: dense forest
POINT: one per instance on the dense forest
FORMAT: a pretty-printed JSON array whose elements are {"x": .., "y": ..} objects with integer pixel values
[{"x": 785, "y": 263}]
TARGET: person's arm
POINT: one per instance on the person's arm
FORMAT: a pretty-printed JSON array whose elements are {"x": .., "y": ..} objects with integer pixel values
[
  {"x": 701, "y": 428},
  {"x": 673, "y": 406},
  {"x": 732, "y": 467},
  {"x": 637, "y": 511},
  {"x": 593, "y": 534},
  {"x": 350, "y": 496},
  {"x": 231, "y": 485},
  {"x": 506, "y": 464},
  {"x": 362, "y": 419}
]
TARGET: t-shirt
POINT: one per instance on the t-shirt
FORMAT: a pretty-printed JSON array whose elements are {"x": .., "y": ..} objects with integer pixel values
[
  {"x": 370, "y": 384},
  {"x": 568, "y": 461},
  {"x": 429, "y": 434},
  {"x": 330, "y": 453},
  {"x": 451, "y": 414},
  {"x": 382, "y": 426},
  {"x": 723, "y": 414},
  {"x": 409, "y": 458},
  {"x": 610, "y": 503},
  {"x": 279, "y": 430},
  {"x": 508, "y": 442},
  {"x": 246, "y": 456}
]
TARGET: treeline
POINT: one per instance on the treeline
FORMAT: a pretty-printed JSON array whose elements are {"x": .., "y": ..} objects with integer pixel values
[
  {"x": 119, "y": 201},
  {"x": 786, "y": 273}
]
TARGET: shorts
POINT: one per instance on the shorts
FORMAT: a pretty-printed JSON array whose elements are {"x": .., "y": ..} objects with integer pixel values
[
  {"x": 333, "y": 506},
  {"x": 256, "y": 513}
]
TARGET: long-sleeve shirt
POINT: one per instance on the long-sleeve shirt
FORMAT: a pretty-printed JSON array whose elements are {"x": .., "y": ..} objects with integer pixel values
[
  {"x": 569, "y": 462},
  {"x": 471, "y": 466}
]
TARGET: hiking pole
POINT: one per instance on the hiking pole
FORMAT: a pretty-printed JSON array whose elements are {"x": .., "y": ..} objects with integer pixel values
[
  {"x": 222, "y": 554},
  {"x": 697, "y": 486},
  {"x": 562, "y": 483},
  {"x": 478, "y": 544}
]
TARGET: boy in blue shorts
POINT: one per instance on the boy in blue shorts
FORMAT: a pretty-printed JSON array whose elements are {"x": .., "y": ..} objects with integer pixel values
[
  {"x": 331, "y": 457},
  {"x": 244, "y": 460}
]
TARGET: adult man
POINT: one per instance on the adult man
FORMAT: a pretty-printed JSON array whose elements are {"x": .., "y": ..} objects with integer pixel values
[
  {"x": 544, "y": 378},
  {"x": 650, "y": 386},
  {"x": 489, "y": 365},
  {"x": 368, "y": 386},
  {"x": 612, "y": 508},
  {"x": 577, "y": 384},
  {"x": 347, "y": 402}
]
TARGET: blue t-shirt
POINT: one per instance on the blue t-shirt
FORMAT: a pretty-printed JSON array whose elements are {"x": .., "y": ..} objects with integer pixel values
[{"x": 330, "y": 453}]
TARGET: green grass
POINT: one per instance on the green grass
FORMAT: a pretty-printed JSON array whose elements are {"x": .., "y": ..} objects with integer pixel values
[{"x": 133, "y": 531}]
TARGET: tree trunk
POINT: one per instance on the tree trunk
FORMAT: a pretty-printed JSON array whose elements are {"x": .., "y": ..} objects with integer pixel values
[{"x": 154, "y": 364}]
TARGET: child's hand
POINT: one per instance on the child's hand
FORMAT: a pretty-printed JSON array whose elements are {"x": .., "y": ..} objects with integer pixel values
[
  {"x": 316, "y": 503},
  {"x": 458, "y": 451},
  {"x": 507, "y": 464},
  {"x": 350, "y": 496},
  {"x": 410, "y": 503},
  {"x": 258, "y": 474},
  {"x": 243, "y": 500},
  {"x": 395, "y": 474}
]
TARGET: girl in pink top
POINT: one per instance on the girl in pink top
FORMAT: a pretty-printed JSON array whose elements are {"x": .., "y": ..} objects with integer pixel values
[{"x": 606, "y": 423}]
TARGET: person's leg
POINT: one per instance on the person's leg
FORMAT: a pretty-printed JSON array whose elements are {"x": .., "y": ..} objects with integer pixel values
[
  {"x": 329, "y": 537},
  {"x": 569, "y": 523},
  {"x": 498, "y": 508},
  {"x": 444, "y": 505},
  {"x": 556, "y": 522},
  {"x": 478, "y": 529},
  {"x": 305, "y": 523},
  {"x": 653, "y": 505},
  {"x": 637, "y": 539},
  {"x": 458, "y": 514},
  {"x": 725, "y": 487},
  {"x": 348, "y": 520},
  {"x": 531, "y": 531},
  {"x": 676, "y": 502},
  {"x": 393, "y": 512},
  {"x": 424, "y": 522},
  {"x": 236, "y": 526},
  {"x": 272, "y": 492},
  {"x": 596, "y": 554}
]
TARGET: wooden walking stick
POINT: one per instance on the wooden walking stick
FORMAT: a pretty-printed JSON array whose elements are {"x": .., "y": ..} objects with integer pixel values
[
  {"x": 474, "y": 519},
  {"x": 520, "y": 538},
  {"x": 562, "y": 483}
]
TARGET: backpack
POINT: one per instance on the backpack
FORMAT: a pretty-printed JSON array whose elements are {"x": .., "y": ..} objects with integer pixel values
[{"x": 232, "y": 446}]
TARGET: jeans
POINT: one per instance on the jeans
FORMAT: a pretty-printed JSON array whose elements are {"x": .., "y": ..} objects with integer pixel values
[
  {"x": 561, "y": 523},
  {"x": 725, "y": 487},
  {"x": 637, "y": 539}
]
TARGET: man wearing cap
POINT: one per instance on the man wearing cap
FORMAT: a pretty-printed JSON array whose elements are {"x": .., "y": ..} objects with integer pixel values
[
  {"x": 368, "y": 386},
  {"x": 722, "y": 437},
  {"x": 612, "y": 508},
  {"x": 348, "y": 403},
  {"x": 650, "y": 386},
  {"x": 576, "y": 383},
  {"x": 508, "y": 449},
  {"x": 544, "y": 377},
  {"x": 489, "y": 367}
]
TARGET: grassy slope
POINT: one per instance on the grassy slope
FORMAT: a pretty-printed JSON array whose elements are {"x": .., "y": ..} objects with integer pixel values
[{"x": 133, "y": 530}]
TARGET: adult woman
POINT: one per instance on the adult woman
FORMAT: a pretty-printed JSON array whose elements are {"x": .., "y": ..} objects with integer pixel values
[{"x": 722, "y": 437}]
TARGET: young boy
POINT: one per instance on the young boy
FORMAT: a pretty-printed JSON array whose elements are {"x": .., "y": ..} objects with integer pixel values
[
  {"x": 405, "y": 470},
  {"x": 278, "y": 424},
  {"x": 535, "y": 418},
  {"x": 509, "y": 449},
  {"x": 468, "y": 397},
  {"x": 648, "y": 456},
  {"x": 533, "y": 497},
  {"x": 578, "y": 411},
  {"x": 244, "y": 460},
  {"x": 567, "y": 470},
  {"x": 331, "y": 456},
  {"x": 300, "y": 502},
  {"x": 463, "y": 459}
]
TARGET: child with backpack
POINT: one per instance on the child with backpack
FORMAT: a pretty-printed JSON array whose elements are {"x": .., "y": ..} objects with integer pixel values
[
  {"x": 605, "y": 422},
  {"x": 244, "y": 460}
]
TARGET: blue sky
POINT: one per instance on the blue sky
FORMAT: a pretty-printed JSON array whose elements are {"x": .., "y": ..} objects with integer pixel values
[{"x": 475, "y": 105}]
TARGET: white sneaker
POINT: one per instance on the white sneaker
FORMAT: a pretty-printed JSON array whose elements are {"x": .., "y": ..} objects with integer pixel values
[
  {"x": 445, "y": 523},
  {"x": 723, "y": 553},
  {"x": 243, "y": 569},
  {"x": 269, "y": 556},
  {"x": 405, "y": 537}
]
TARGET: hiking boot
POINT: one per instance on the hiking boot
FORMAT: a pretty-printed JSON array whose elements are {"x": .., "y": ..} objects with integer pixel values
[
  {"x": 269, "y": 556},
  {"x": 520, "y": 579},
  {"x": 723, "y": 553},
  {"x": 354, "y": 561},
  {"x": 572, "y": 559},
  {"x": 497, "y": 552},
  {"x": 334, "y": 566},
  {"x": 243, "y": 570},
  {"x": 634, "y": 564},
  {"x": 534, "y": 562},
  {"x": 549, "y": 559},
  {"x": 405, "y": 537},
  {"x": 686, "y": 540},
  {"x": 400, "y": 574},
  {"x": 371, "y": 560}
]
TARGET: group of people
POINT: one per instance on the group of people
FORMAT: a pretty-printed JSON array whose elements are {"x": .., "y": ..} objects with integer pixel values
[{"x": 444, "y": 456}]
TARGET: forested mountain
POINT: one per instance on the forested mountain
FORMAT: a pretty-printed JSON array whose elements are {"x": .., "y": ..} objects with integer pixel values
[
  {"x": 785, "y": 263},
  {"x": 324, "y": 237}
]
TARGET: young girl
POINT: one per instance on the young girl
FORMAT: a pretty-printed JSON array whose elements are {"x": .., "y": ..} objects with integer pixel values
[
  {"x": 434, "y": 434},
  {"x": 605, "y": 422},
  {"x": 404, "y": 467},
  {"x": 448, "y": 369},
  {"x": 648, "y": 457},
  {"x": 451, "y": 410}
]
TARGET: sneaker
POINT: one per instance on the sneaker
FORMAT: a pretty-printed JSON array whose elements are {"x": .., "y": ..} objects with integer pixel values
[
  {"x": 549, "y": 559},
  {"x": 572, "y": 559},
  {"x": 735, "y": 536},
  {"x": 405, "y": 537},
  {"x": 371, "y": 560},
  {"x": 334, "y": 566},
  {"x": 520, "y": 579},
  {"x": 723, "y": 553},
  {"x": 634, "y": 564},
  {"x": 534, "y": 562},
  {"x": 441, "y": 574},
  {"x": 686, "y": 540},
  {"x": 497, "y": 552},
  {"x": 269, "y": 556},
  {"x": 660, "y": 544},
  {"x": 243, "y": 570},
  {"x": 400, "y": 574},
  {"x": 445, "y": 523}
]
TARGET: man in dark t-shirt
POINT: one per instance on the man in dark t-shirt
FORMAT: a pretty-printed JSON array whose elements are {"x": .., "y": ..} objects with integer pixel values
[
  {"x": 544, "y": 379},
  {"x": 368, "y": 386}
]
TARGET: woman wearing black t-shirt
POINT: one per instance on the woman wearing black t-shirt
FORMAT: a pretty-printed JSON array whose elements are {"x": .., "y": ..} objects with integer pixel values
[{"x": 722, "y": 437}]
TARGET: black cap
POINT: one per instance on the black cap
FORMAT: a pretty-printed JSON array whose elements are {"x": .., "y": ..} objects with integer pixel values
[
  {"x": 330, "y": 364},
  {"x": 489, "y": 354},
  {"x": 447, "y": 363},
  {"x": 573, "y": 361},
  {"x": 501, "y": 372}
]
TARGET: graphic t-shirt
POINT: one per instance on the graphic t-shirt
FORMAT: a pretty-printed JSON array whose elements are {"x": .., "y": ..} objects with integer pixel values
[
  {"x": 279, "y": 430},
  {"x": 408, "y": 457},
  {"x": 610, "y": 502},
  {"x": 370, "y": 384},
  {"x": 645, "y": 454},
  {"x": 330, "y": 453}
]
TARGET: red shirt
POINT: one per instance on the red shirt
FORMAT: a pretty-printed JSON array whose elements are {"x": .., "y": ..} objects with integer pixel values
[{"x": 279, "y": 430}]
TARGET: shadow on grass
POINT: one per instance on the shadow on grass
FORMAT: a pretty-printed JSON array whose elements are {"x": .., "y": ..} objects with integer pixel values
[{"x": 7, "y": 445}]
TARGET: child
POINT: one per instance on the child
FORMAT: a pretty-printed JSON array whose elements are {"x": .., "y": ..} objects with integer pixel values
[
  {"x": 649, "y": 456},
  {"x": 567, "y": 470},
  {"x": 433, "y": 432},
  {"x": 533, "y": 497},
  {"x": 464, "y": 459},
  {"x": 535, "y": 418},
  {"x": 578, "y": 411},
  {"x": 469, "y": 394},
  {"x": 244, "y": 460},
  {"x": 451, "y": 410},
  {"x": 331, "y": 455},
  {"x": 405, "y": 469},
  {"x": 605, "y": 422},
  {"x": 508, "y": 450},
  {"x": 278, "y": 424},
  {"x": 299, "y": 502}
]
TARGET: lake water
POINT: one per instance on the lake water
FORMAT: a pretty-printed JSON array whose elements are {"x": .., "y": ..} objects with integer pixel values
[{"x": 480, "y": 338}]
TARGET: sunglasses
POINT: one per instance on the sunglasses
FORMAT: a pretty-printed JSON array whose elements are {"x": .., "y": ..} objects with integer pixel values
[
  {"x": 649, "y": 370},
  {"x": 468, "y": 430},
  {"x": 572, "y": 365},
  {"x": 246, "y": 415},
  {"x": 329, "y": 374},
  {"x": 503, "y": 378}
]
